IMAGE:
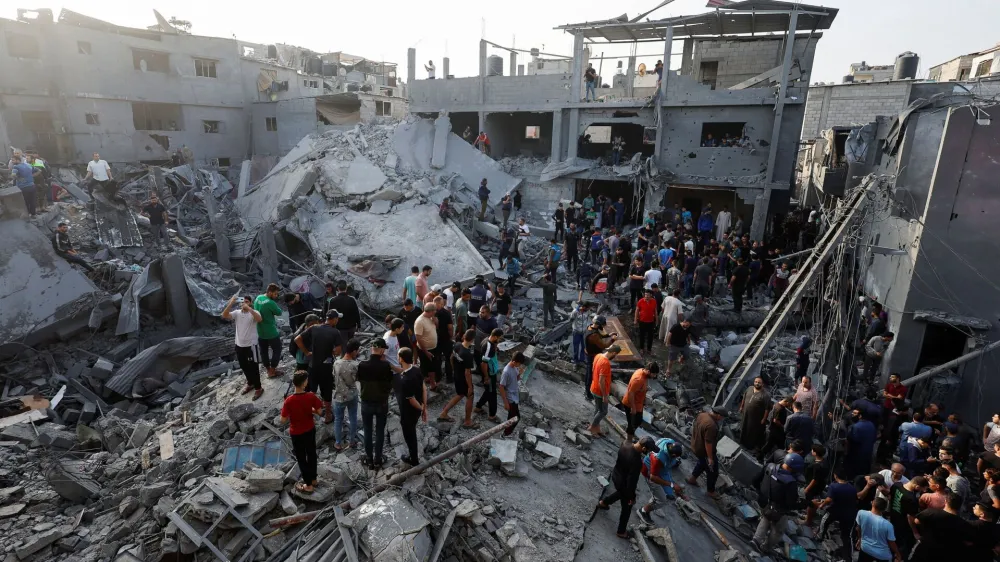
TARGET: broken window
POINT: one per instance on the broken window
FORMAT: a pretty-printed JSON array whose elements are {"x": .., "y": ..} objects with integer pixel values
[
  {"x": 984, "y": 68},
  {"x": 212, "y": 126},
  {"x": 93, "y": 119},
  {"x": 532, "y": 132},
  {"x": 310, "y": 83},
  {"x": 204, "y": 68},
  {"x": 383, "y": 108},
  {"x": 223, "y": 162},
  {"x": 599, "y": 134},
  {"x": 83, "y": 47},
  {"x": 271, "y": 123},
  {"x": 150, "y": 61},
  {"x": 157, "y": 116},
  {"x": 649, "y": 135},
  {"x": 723, "y": 135},
  {"x": 23, "y": 46},
  {"x": 710, "y": 73},
  {"x": 964, "y": 74},
  {"x": 37, "y": 121}
]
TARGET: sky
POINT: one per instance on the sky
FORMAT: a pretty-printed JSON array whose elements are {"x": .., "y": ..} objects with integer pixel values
[{"x": 875, "y": 31}]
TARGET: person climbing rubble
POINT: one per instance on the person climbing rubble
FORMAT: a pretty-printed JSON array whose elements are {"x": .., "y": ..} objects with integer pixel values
[
  {"x": 625, "y": 477},
  {"x": 595, "y": 342},
  {"x": 600, "y": 387},
  {"x": 657, "y": 467}
]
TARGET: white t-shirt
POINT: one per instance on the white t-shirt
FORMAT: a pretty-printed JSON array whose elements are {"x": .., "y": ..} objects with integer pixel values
[
  {"x": 430, "y": 70},
  {"x": 689, "y": 245},
  {"x": 392, "y": 353},
  {"x": 653, "y": 276},
  {"x": 246, "y": 328},
  {"x": 449, "y": 298},
  {"x": 523, "y": 230},
  {"x": 98, "y": 169}
]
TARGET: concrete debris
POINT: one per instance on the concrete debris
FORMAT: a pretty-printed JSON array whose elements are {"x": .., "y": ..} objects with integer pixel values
[{"x": 391, "y": 528}]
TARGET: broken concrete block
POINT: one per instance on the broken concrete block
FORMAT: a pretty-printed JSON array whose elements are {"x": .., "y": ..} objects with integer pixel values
[
  {"x": 726, "y": 448},
  {"x": 151, "y": 493},
  {"x": 392, "y": 529},
  {"x": 336, "y": 477},
  {"x": 537, "y": 432},
  {"x": 289, "y": 506},
  {"x": 547, "y": 449},
  {"x": 12, "y": 510},
  {"x": 387, "y": 194},
  {"x": 102, "y": 369},
  {"x": 139, "y": 435},
  {"x": 128, "y": 506},
  {"x": 390, "y": 160},
  {"x": 38, "y": 541},
  {"x": 380, "y": 207},
  {"x": 362, "y": 177},
  {"x": 70, "y": 481},
  {"x": 571, "y": 436},
  {"x": 466, "y": 509},
  {"x": 266, "y": 480},
  {"x": 503, "y": 453},
  {"x": 241, "y": 412}
]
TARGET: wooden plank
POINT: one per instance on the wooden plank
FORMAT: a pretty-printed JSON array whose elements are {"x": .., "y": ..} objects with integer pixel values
[
  {"x": 23, "y": 417},
  {"x": 628, "y": 348}
]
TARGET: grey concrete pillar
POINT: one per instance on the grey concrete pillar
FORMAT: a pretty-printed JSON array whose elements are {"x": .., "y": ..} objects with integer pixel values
[
  {"x": 686, "y": 56},
  {"x": 513, "y": 63},
  {"x": 268, "y": 253},
  {"x": 668, "y": 44},
  {"x": 759, "y": 222},
  {"x": 630, "y": 78},
  {"x": 557, "y": 130},
  {"x": 221, "y": 234},
  {"x": 482, "y": 121},
  {"x": 177, "y": 291},
  {"x": 574, "y": 133},
  {"x": 779, "y": 105},
  {"x": 446, "y": 67},
  {"x": 577, "y": 83},
  {"x": 520, "y": 70},
  {"x": 483, "y": 65},
  {"x": 411, "y": 65}
]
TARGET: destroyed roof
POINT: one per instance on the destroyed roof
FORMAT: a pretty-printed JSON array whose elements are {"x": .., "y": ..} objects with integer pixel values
[{"x": 750, "y": 17}]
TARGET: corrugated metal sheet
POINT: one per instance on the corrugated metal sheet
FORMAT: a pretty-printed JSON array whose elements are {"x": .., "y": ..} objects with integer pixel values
[{"x": 116, "y": 226}]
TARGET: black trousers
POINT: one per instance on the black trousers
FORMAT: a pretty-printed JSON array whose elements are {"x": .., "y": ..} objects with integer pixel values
[
  {"x": 514, "y": 412},
  {"x": 373, "y": 418},
  {"x": 443, "y": 353},
  {"x": 572, "y": 261},
  {"x": 588, "y": 376},
  {"x": 647, "y": 333},
  {"x": 489, "y": 396},
  {"x": 270, "y": 352},
  {"x": 626, "y": 509},
  {"x": 321, "y": 377},
  {"x": 634, "y": 421},
  {"x": 560, "y": 229},
  {"x": 247, "y": 358},
  {"x": 634, "y": 295},
  {"x": 408, "y": 423},
  {"x": 304, "y": 447},
  {"x": 77, "y": 260},
  {"x": 738, "y": 290}
]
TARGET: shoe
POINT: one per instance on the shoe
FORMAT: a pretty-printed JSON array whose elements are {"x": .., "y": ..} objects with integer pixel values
[
  {"x": 247, "y": 389},
  {"x": 645, "y": 517},
  {"x": 258, "y": 394},
  {"x": 378, "y": 463}
]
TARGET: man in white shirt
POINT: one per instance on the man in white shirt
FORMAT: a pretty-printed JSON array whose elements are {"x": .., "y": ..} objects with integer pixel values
[
  {"x": 429, "y": 67},
  {"x": 452, "y": 293},
  {"x": 247, "y": 350},
  {"x": 689, "y": 245},
  {"x": 722, "y": 222},
  {"x": 653, "y": 276},
  {"x": 97, "y": 171},
  {"x": 672, "y": 313},
  {"x": 392, "y": 340}
]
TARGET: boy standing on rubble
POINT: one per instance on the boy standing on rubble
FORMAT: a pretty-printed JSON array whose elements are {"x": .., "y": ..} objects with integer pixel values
[
  {"x": 298, "y": 411},
  {"x": 411, "y": 395},
  {"x": 267, "y": 329},
  {"x": 247, "y": 350},
  {"x": 489, "y": 365},
  {"x": 463, "y": 359},
  {"x": 509, "y": 385}
]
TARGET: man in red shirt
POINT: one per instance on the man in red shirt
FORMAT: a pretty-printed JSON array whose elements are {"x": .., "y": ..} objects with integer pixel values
[
  {"x": 893, "y": 391},
  {"x": 645, "y": 319},
  {"x": 635, "y": 396},
  {"x": 600, "y": 386},
  {"x": 298, "y": 411}
]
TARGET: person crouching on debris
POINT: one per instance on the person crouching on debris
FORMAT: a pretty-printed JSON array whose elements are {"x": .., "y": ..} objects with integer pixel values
[
  {"x": 267, "y": 329},
  {"x": 625, "y": 477},
  {"x": 247, "y": 351},
  {"x": 411, "y": 395},
  {"x": 657, "y": 467},
  {"x": 489, "y": 367},
  {"x": 635, "y": 397},
  {"x": 600, "y": 387},
  {"x": 63, "y": 246},
  {"x": 509, "y": 385},
  {"x": 298, "y": 411}
]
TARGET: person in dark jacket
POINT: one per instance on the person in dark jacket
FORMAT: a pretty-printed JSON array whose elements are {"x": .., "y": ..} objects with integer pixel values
[
  {"x": 348, "y": 307},
  {"x": 779, "y": 496},
  {"x": 799, "y": 426},
  {"x": 484, "y": 199},
  {"x": 375, "y": 378},
  {"x": 625, "y": 477},
  {"x": 63, "y": 246}
]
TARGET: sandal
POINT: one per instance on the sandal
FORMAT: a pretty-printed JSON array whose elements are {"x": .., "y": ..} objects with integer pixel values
[
  {"x": 472, "y": 425},
  {"x": 494, "y": 419},
  {"x": 304, "y": 488},
  {"x": 258, "y": 394},
  {"x": 444, "y": 418}
]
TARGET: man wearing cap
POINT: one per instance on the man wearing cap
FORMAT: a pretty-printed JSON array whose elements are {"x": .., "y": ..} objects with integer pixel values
[
  {"x": 350, "y": 318},
  {"x": 595, "y": 341},
  {"x": 625, "y": 477},
  {"x": 63, "y": 246},
  {"x": 645, "y": 319},
  {"x": 779, "y": 495},
  {"x": 425, "y": 331},
  {"x": 600, "y": 387},
  {"x": 657, "y": 467},
  {"x": 375, "y": 378},
  {"x": 322, "y": 344},
  {"x": 429, "y": 296},
  {"x": 704, "y": 437},
  {"x": 635, "y": 396}
]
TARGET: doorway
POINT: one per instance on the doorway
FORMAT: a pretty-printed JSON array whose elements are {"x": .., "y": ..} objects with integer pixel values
[{"x": 941, "y": 344}]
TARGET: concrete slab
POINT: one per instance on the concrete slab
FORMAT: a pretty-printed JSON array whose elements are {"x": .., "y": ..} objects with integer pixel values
[
  {"x": 37, "y": 287},
  {"x": 363, "y": 177},
  {"x": 262, "y": 202},
  {"x": 380, "y": 207}
]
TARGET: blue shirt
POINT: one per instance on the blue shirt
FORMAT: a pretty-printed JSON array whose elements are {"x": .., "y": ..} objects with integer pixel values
[
  {"x": 686, "y": 216},
  {"x": 845, "y": 501},
  {"x": 23, "y": 175},
  {"x": 914, "y": 430},
  {"x": 595, "y": 241},
  {"x": 876, "y": 532},
  {"x": 666, "y": 254},
  {"x": 410, "y": 285},
  {"x": 619, "y": 208},
  {"x": 862, "y": 437},
  {"x": 509, "y": 381}
]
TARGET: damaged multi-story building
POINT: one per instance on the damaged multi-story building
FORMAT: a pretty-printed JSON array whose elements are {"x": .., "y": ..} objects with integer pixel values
[
  {"x": 138, "y": 95},
  {"x": 722, "y": 126}
]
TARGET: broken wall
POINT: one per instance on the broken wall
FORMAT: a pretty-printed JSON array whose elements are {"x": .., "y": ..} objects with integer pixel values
[
  {"x": 507, "y": 132},
  {"x": 743, "y": 58},
  {"x": 514, "y": 93}
]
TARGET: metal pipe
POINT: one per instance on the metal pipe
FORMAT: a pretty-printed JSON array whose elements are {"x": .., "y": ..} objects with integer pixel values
[
  {"x": 953, "y": 363},
  {"x": 399, "y": 478}
]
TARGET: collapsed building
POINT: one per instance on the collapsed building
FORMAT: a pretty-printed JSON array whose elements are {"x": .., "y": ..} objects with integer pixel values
[{"x": 743, "y": 73}]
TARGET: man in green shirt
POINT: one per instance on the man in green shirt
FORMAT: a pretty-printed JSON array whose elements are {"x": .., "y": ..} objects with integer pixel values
[{"x": 268, "y": 336}]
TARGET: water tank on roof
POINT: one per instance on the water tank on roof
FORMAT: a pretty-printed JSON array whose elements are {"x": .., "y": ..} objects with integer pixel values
[
  {"x": 906, "y": 66},
  {"x": 272, "y": 51},
  {"x": 848, "y": 79},
  {"x": 494, "y": 66},
  {"x": 329, "y": 68}
]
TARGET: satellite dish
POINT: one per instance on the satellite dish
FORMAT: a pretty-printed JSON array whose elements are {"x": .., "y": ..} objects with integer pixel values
[{"x": 642, "y": 69}]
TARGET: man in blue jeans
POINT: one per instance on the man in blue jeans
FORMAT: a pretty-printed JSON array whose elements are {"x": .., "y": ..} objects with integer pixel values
[
  {"x": 704, "y": 437},
  {"x": 580, "y": 322},
  {"x": 590, "y": 78},
  {"x": 23, "y": 175}
]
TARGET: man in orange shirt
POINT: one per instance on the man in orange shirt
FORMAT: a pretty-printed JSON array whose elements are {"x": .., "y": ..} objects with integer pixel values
[
  {"x": 645, "y": 319},
  {"x": 635, "y": 396},
  {"x": 600, "y": 386}
]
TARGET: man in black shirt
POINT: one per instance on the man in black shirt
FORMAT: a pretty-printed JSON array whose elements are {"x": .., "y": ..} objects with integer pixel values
[
  {"x": 625, "y": 477},
  {"x": 817, "y": 476},
  {"x": 571, "y": 239},
  {"x": 903, "y": 508},
  {"x": 738, "y": 284},
  {"x": 489, "y": 365},
  {"x": 411, "y": 395},
  {"x": 942, "y": 532},
  {"x": 157, "y": 215},
  {"x": 560, "y": 219},
  {"x": 375, "y": 377},
  {"x": 409, "y": 313},
  {"x": 63, "y": 246},
  {"x": 348, "y": 308},
  {"x": 445, "y": 337},
  {"x": 463, "y": 361},
  {"x": 678, "y": 338},
  {"x": 297, "y": 310},
  {"x": 636, "y": 277},
  {"x": 322, "y": 344}
]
